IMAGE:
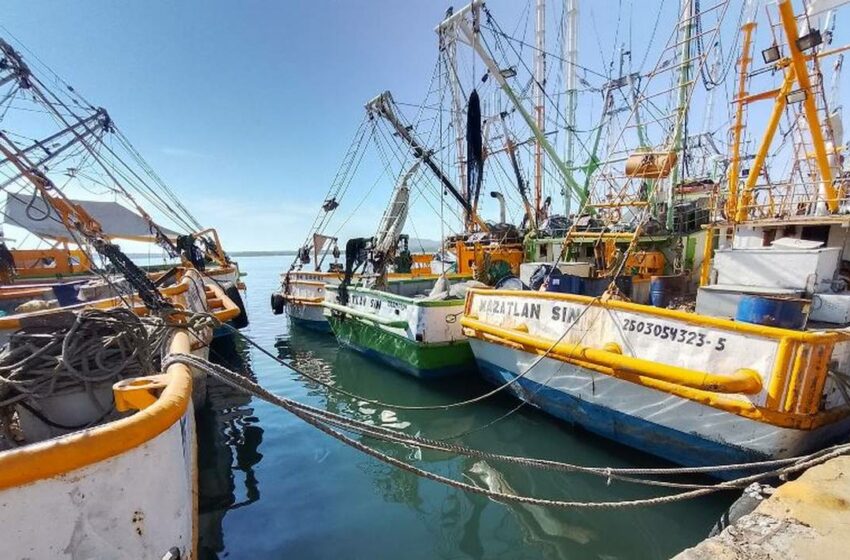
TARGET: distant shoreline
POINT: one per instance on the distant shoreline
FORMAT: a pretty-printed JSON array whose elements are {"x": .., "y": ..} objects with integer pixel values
[
  {"x": 261, "y": 253},
  {"x": 231, "y": 253}
]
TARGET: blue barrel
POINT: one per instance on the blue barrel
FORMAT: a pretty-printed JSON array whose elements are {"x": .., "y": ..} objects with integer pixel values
[
  {"x": 662, "y": 289},
  {"x": 595, "y": 287},
  {"x": 67, "y": 294},
  {"x": 564, "y": 284},
  {"x": 773, "y": 311}
]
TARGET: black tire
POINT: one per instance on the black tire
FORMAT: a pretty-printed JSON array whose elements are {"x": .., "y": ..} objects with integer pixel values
[
  {"x": 277, "y": 303},
  {"x": 241, "y": 320}
]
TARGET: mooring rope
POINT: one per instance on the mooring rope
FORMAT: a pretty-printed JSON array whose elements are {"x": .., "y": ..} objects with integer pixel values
[
  {"x": 457, "y": 404},
  {"x": 621, "y": 471},
  {"x": 323, "y": 420}
]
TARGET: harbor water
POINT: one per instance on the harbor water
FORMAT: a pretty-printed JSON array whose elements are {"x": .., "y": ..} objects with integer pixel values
[{"x": 272, "y": 486}]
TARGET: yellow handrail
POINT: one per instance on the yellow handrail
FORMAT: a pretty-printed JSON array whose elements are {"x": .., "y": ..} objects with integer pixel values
[
  {"x": 74, "y": 451},
  {"x": 742, "y": 381}
]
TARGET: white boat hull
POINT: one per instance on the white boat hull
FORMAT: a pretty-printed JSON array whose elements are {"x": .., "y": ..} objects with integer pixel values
[
  {"x": 308, "y": 316},
  {"x": 681, "y": 430},
  {"x": 138, "y": 504}
]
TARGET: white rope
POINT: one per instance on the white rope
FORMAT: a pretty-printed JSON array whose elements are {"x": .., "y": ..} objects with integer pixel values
[{"x": 323, "y": 420}]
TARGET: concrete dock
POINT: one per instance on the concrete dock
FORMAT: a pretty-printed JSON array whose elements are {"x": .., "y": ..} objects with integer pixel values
[{"x": 808, "y": 518}]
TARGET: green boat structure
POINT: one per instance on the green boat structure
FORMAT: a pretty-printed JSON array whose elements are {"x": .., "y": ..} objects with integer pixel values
[{"x": 403, "y": 327}]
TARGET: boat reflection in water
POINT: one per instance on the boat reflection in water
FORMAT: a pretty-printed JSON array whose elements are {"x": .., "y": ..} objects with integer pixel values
[
  {"x": 229, "y": 437},
  {"x": 474, "y": 525}
]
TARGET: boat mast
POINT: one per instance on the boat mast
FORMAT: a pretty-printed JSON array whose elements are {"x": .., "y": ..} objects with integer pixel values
[
  {"x": 448, "y": 47},
  {"x": 738, "y": 126},
  {"x": 383, "y": 106},
  {"x": 570, "y": 56},
  {"x": 796, "y": 71},
  {"x": 28, "y": 81},
  {"x": 539, "y": 102},
  {"x": 686, "y": 32},
  {"x": 466, "y": 33}
]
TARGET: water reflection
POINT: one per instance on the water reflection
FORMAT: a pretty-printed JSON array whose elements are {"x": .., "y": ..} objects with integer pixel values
[
  {"x": 475, "y": 525},
  {"x": 324, "y": 500},
  {"x": 229, "y": 438}
]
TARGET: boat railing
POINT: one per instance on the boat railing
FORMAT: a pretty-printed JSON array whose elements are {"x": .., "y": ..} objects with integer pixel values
[
  {"x": 369, "y": 317},
  {"x": 791, "y": 199},
  {"x": 165, "y": 401},
  {"x": 779, "y": 374}
]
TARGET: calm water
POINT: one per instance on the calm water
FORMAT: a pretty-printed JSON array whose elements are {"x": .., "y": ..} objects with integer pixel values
[{"x": 274, "y": 487}]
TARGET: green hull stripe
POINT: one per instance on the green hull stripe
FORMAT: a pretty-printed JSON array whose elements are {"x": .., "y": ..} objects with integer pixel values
[{"x": 418, "y": 355}]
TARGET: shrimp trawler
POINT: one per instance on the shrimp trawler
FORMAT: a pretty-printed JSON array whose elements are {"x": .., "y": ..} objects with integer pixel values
[
  {"x": 87, "y": 413},
  {"x": 394, "y": 321},
  {"x": 303, "y": 290},
  {"x": 697, "y": 387},
  {"x": 56, "y": 271},
  {"x": 401, "y": 323}
]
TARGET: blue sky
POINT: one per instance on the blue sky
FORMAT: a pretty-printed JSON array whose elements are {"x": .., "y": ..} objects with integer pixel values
[{"x": 246, "y": 108}]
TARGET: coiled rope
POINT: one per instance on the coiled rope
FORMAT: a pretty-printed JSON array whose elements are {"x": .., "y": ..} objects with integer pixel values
[
  {"x": 81, "y": 349},
  {"x": 326, "y": 421}
]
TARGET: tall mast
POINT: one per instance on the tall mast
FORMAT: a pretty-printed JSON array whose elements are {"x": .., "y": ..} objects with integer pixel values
[
  {"x": 738, "y": 124},
  {"x": 570, "y": 56},
  {"x": 465, "y": 32},
  {"x": 448, "y": 46},
  {"x": 539, "y": 101},
  {"x": 686, "y": 32}
]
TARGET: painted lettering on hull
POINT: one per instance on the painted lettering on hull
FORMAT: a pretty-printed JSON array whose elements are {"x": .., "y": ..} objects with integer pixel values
[{"x": 510, "y": 308}]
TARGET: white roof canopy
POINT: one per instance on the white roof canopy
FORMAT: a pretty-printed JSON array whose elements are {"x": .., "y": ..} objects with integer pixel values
[{"x": 37, "y": 217}]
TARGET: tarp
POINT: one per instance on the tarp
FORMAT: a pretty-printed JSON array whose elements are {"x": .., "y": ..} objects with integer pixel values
[{"x": 37, "y": 217}]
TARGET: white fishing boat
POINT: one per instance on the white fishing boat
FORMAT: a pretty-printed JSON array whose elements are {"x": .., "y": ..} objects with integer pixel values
[
  {"x": 88, "y": 422},
  {"x": 71, "y": 151},
  {"x": 410, "y": 323},
  {"x": 711, "y": 386},
  {"x": 402, "y": 327},
  {"x": 92, "y": 446}
]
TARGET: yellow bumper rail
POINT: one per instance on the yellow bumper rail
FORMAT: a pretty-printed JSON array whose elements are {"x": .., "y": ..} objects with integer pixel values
[{"x": 744, "y": 380}]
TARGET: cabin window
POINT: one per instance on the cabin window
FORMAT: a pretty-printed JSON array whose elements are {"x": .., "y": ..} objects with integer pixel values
[{"x": 815, "y": 233}]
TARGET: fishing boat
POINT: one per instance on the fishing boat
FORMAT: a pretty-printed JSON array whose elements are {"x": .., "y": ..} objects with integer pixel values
[
  {"x": 303, "y": 291},
  {"x": 408, "y": 323},
  {"x": 69, "y": 149},
  {"x": 92, "y": 445},
  {"x": 89, "y": 422},
  {"x": 742, "y": 377},
  {"x": 303, "y": 287}
]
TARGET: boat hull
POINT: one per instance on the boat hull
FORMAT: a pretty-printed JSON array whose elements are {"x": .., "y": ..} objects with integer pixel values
[
  {"x": 422, "y": 360},
  {"x": 674, "y": 428},
  {"x": 308, "y": 317},
  {"x": 107, "y": 509}
]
